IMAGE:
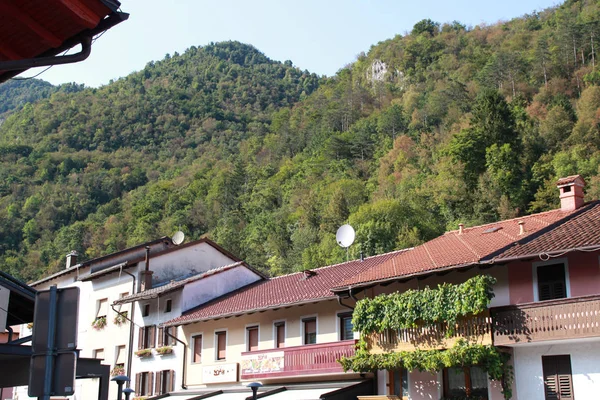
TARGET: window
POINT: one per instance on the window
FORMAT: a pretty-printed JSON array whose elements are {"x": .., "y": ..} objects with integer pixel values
[
  {"x": 197, "y": 343},
  {"x": 168, "y": 306},
  {"x": 558, "y": 380},
  {"x": 165, "y": 382},
  {"x": 346, "y": 328},
  {"x": 551, "y": 282},
  {"x": 99, "y": 354},
  {"x": 102, "y": 308},
  {"x": 310, "y": 330},
  {"x": 221, "y": 342},
  {"x": 398, "y": 383},
  {"x": 163, "y": 336},
  {"x": 121, "y": 295},
  {"x": 252, "y": 338},
  {"x": 143, "y": 383},
  {"x": 121, "y": 355},
  {"x": 465, "y": 382},
  {"x": 146, "y": 338},
  {"x": 146, "y": 310},
  {"x": 279, "y": 335}
]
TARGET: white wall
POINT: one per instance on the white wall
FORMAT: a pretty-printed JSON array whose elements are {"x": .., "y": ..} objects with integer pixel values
[
  {"x": 209, "y": 288},
  {"x": 585, "y": 366},
  {"x": 186, "y": 261}
]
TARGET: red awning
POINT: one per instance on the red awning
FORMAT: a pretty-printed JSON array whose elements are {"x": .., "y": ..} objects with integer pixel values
[{"x": 32, "y": 32}]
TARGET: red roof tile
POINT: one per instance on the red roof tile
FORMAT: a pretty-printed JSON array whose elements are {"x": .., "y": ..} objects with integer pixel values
[
  {"x": 570, "y": 179},
  {"x": 455, "y": 249},
  {"x": 281, "y": 291},
  {"x": 580, "y": 231}
]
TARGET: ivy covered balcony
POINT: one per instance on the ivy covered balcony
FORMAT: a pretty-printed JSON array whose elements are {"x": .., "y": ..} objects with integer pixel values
[{"x": 475, "y": 329}]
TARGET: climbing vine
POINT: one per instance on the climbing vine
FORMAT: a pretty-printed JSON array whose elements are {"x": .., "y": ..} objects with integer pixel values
[
  {"x": 446, "y": 303},
  {"x": 462, "y": 354}
]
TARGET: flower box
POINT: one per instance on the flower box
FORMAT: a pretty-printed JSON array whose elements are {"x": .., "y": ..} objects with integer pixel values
[
  {"x": 99, "y": 323},
  {"x": 165, "y": 350},
  {"x": 144, "y": 353}
]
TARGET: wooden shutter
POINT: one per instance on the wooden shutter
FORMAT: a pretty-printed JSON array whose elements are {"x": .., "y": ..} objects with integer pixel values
[
  {"x": 310, "y": 331},
  {"x": 138, "y": 380},
  {"x": 558, "y": 379},
  {"x": 151, "y": 336},
  {"x": 551, "y": 282},
  {"x": 171, "y": 381},
  {"x": 149, "y": 383},
  {"x": 159, "y": 379},
  {"x": 253, "y": 338},
  {"x": 172, "y": 331},
  {"x": 161, "y": 337},
  {"x": 197, "y": 348},
  {"x": 221, "y": 345},
  {"x": 280, "y": 327},
  {"x": 141, "y": 339}
]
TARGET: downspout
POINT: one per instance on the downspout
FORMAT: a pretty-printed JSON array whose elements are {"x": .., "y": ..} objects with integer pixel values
[
  {"x": 184, "y": 374},
  {"x": 131, "y": 332},
  {"x": 344, "y": 305}
]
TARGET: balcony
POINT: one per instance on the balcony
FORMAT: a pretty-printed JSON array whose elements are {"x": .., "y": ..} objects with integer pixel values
[
  {"x": 573, "y": 318},
  {"x": 293, "y": 361},
  {"x": 475, "y": 329}
]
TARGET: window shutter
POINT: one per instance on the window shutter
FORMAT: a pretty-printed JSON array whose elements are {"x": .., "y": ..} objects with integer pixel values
[
  {"x": 138, "y": 380},
  {"x": 221, "y": 345},
  {"x": 151, "y": 336},
  {"x": 171, "y": 381},
  {"x": 141, "y": 340},
  {"x": 149, "y": 383},
  {"x": 198, "y": 348},
  {"x": 159, "y": 379},
  {"x": 173, "y": 331},
  {"x": 558, "y": 381},
  {"x": 280, "y": 335},
  {"x": 161, "y": 337},
  {"x": 551, "y": 282},
  {"x": 252, "y": 339}
]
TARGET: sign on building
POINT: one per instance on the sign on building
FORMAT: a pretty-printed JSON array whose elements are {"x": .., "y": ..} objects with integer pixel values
[{"x": 220, "y": 373}]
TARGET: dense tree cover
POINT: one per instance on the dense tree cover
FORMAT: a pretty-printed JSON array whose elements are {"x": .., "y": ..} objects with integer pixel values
[
  {"x": 467, "y": 125},
  {"x": 14, "y": 94}
]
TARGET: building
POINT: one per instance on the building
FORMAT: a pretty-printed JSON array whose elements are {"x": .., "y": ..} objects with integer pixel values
[
  {"x": 545, "y": 313},
  {"x": 105, "y": 331}
]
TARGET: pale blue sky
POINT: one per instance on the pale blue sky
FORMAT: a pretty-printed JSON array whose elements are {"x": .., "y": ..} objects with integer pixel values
[{"x": 318, "y": 35}]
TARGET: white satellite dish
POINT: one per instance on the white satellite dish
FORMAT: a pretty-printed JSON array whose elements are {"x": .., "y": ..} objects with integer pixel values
[
  {"x": 345, "y": 235},
  {"x": 178, "y": 237}
]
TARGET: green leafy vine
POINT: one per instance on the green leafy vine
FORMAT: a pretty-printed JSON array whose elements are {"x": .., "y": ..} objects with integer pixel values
[{"x": 446, "y": 303}]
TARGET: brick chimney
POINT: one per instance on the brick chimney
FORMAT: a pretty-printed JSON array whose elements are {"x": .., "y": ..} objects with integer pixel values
[
  {"x": 71, "y": 259},
  {"x": 146, "y": 274},
  {"x": 571, "y": 192}
]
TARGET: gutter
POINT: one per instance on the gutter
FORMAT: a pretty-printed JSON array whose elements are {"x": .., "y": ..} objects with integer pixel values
[
  {"x": 184, "y": 373},
  {"x": 549, "y": 254}
]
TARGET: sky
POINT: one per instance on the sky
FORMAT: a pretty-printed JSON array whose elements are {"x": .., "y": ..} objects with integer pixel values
[{"x": 320, "y": 36}]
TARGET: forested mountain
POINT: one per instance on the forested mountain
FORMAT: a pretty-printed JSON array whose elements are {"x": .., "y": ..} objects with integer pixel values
[
  {"x": 16, "y": 93},
  {"x": 444, "y": 125}
]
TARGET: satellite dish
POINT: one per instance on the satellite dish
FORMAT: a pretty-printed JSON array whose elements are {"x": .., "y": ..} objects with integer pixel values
[
  {"x": 178, "y": 237},
  {"x": 345, "y": 235}
]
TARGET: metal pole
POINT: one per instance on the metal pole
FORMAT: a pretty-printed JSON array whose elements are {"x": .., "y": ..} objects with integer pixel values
[
  {"x": 50, "y": 351},
  {"x": 120, "y": 390}
]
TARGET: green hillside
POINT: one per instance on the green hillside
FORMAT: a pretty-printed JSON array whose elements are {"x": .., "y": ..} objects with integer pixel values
[{"x": 447, "y": 124}]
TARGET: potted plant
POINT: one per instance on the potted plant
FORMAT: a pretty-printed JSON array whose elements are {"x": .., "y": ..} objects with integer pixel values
[
  {"x": 120, "y": 318},
  {"x": 99, "y": 323},
  {"x": 143, "y": 353},
  {"x": 164, "y": 350},
  {"x": 119, "y": 369}
]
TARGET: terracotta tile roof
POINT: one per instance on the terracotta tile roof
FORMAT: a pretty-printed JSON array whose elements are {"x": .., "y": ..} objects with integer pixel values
[
  {"x": 580, "y": 231},
  {"x": 174, "y": 285},
  {"x": 283, "y": 290},
  {"x": 569, "y": 179},
  {"x": 455, "y": 249}
]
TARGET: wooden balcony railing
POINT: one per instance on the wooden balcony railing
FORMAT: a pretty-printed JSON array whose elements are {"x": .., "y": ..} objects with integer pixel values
[
  {"x": 294, "y": 361},
  {"x": 572, "y": 318},
  {"x": 475, "y": 329}
]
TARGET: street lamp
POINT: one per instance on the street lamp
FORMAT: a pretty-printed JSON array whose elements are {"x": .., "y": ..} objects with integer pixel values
[
  {"x": 254, "y": 386},
  {"x": 128, "y": 392},
  {"x": 120, "y": 379}
]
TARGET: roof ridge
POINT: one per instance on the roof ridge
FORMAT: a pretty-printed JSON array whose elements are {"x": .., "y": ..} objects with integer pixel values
[
  {"x": 342, "y": 263},
  {"x": 515, "y": 219}
]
